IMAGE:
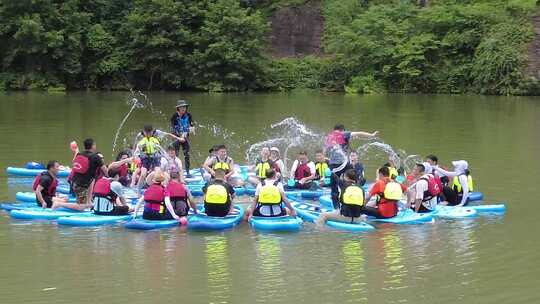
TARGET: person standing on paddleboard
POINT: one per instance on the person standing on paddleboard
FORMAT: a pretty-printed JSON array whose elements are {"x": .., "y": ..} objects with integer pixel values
[
  {"x": 182, "y": 126},
  {"x": 337, "y": 148}
]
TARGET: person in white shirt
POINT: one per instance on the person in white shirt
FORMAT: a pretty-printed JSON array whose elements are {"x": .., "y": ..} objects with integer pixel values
[
  {"x": 171, "y": 163},
  {"x": 419, "y": 197},
  {"x": 461, "y": 186},
  {"x": 269, "y": 196},
  {"x": 279, "y": 165},
  {"x": 302, "y": 172}
]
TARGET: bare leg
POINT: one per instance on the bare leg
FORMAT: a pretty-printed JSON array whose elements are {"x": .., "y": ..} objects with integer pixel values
[{"x": 142, "y": 177}]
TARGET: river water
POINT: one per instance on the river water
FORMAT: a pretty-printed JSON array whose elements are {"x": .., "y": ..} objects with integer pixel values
[{"x": 485, "y": 260}]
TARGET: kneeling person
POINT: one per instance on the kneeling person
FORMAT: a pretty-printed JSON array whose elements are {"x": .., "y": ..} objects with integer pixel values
[
  {"x": 107, "y": 197},
  {"x": 351, "y": 201},
  {"x": 218, "y": 195},
  {"x": 269, "y": 197}
]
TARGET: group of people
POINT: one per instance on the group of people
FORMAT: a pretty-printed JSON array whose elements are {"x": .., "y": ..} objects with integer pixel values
[{"x": 100, "y": 187}]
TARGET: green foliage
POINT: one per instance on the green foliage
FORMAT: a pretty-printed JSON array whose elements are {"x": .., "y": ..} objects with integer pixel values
[{"x": 370, "y": 46}]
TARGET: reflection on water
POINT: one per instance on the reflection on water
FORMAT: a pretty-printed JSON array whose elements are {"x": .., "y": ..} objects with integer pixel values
[
  {"x": 271, "y": 281},
  {"x": 353, "y": 263},
  {"x": 217, "y": 265},
  {"x": 393, "y": 259}
]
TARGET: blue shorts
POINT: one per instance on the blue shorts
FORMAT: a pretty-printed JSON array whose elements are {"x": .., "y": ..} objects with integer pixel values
[{"x": 150, "y": 162}]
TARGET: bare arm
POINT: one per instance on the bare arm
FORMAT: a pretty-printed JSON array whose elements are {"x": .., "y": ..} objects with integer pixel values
[
  {"x": 39, "y": 196},
  {"x": 284, "y": 198},
  {"x": 232, "y": 170},
  {"x": 170, "y": 208},
  {"x": 252, "y": 207},
  {"x": 207, "y": 165},
  {"x": 446, "y": 173},
  {"x": 363, "y": 134},
  {"x": 117, "y": 164}
]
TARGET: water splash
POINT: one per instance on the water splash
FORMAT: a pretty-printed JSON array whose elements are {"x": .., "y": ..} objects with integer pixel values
[
  {"x": 383, "y": 152},
  {"x": 287, "y": 134},
  {"x": 133, "y": 101}
]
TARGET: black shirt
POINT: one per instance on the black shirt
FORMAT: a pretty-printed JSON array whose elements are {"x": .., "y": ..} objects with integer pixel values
[{"x": 45, "y": 181}]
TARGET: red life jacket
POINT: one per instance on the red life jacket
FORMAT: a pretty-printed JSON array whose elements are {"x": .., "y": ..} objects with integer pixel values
[
  {"x": 434, "y": 187},
  {"x": 123, "y": 170},
  {"x": 154, "y": 197},
  {"x": 335, "y": 137},
  {"x": 302, "y": 171},
  {"x": 388, "y": 208},
  {"x": 102, "y": 188},
  {"x": 51, "y": 190},
  {"x": 275, "y": 166},
  {"x": 81, "y": 164},
  {"x": 176, "y": 191}
]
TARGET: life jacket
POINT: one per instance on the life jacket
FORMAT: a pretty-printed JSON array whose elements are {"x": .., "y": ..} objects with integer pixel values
[
  {"x": 81, "y": 164},
  {"x": 456, "y": 185},
  {"x": 269, "y": 194},
  {"x": 154, "y": 198},
  {"x": 149, "y": 144},
  {"x": 103, "y": 197},
  {"x": 261, "y": 168},
  {"x": 392, "y": 191},
  {"x": 335, "y": 137},
  {"x": 102, "y": 188},
  {"x": 352, "y": 200},
  {"x": 393, "y": 172},
  {"x": 387, "y": 203},
  {"x": 133, "y": 166},
  {"x": 182, "y": 123},
  {"x": 302, "y": 170},
  {"x": 216, "y": 194},
  {"x": 51, "y": 190},
  {"x": 222, "y": 165},
  {"x": 177, "y": 191},
  {"x": 123, "y": 170},
  {"x": 275, "y": 166},
  {"x": 434, "y": 187},
  {"x": 321, "y": 169}
]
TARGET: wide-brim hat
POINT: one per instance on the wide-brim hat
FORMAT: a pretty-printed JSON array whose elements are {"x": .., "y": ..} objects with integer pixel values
[{"x": 181, "y": 103}]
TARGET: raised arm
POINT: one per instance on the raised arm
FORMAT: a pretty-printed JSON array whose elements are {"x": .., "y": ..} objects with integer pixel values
[{"x": 363, "y": 134}]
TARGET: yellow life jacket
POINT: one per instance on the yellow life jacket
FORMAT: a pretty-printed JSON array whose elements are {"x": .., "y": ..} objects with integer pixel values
[
  {"x": 132, "y": 167},
  {"x": 393, "y": 191},
  {"x": 149, "y": 145},
  {"x": 269, "y": 194},
  {"x": 393, "y": 172},
  {"x": 353, "y": 195},
  {"x": 222, "y": 165},
  {"x": 216, "y": 194},
  {"x": 261, "y": 168},
  {"x": 320, "y": 168},
  {"x": 456, "y": 185}
]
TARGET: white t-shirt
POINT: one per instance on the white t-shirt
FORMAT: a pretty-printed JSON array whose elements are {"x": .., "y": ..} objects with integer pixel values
[
  {"x": 420, "y": 188},
  {"x": 169, "y": 166},
  {"x": 296, "y": 163},
  {"x": 269, "y": 182}
]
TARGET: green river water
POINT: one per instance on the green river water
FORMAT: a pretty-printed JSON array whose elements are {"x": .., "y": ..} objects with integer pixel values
[{"x": 490, "y": 259}]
